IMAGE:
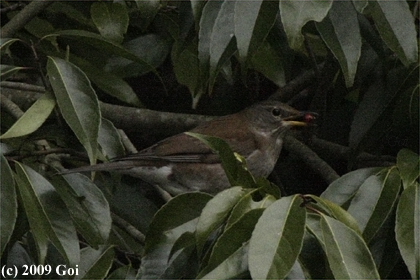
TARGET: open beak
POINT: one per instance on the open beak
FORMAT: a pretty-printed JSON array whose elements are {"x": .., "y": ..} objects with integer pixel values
[{"x": 303, "y": 119}]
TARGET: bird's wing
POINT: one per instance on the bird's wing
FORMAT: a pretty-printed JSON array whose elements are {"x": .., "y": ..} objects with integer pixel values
[
  {"x": 240, "y": 138},
  {"x": 178, "y": 148},
  {"x": 185, "y": 148}
]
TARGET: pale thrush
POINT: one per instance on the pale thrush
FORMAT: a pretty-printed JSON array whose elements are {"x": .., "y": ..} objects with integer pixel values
[{"x": 182, "y": 163}]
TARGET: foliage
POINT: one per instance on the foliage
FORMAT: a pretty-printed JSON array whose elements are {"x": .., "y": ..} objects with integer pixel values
[{"x": 365, "y": 56}]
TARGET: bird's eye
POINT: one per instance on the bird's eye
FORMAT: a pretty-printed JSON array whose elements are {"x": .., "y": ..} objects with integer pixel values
[{"x": 276, "y": 112}]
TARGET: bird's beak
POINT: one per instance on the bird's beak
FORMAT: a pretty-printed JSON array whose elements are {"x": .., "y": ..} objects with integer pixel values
[{"x": 302, "y": 119}]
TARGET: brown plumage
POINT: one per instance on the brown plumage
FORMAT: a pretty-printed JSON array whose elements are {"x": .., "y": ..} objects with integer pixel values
[{"x": 183, "y": 163}]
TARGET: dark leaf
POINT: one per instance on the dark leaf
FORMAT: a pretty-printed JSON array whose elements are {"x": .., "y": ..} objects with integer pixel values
[
  {"x": 295, "y": 14},
  {"x": 342, "y": 190},
  {"x": 374, "y": 201},
  {"x": 277, "y": 239},
  {"x": 8, "y": 204},
  {"x": 395, "y": 24},
  {"x": 111, "y": 19},
  {"x": 408, "y": 164},
  {"x": 215, "y": 213},
  {"x": 178, "y": 216},
  {"x": 347, "y": 253},
  {"x": 77, "y": 101},
  {"x": 407, "y": 228},
  {"x": 95, "y": 264},
  {"x": 33, "y": 118},
  {"x": 340, "y": 31},
  {"x": 47, "y": 214}
]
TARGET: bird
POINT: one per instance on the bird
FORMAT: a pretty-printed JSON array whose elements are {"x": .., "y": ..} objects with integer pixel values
[{"x": 182, "y": 163}]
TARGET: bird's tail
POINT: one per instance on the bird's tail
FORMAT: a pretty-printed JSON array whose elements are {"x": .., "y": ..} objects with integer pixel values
[{"x": 107, "y": 166}]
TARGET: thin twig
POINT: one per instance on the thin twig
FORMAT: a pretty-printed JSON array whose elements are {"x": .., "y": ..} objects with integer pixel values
[
  {"x": 10, "y": 107},
  {"x": 11, "y": 8},
  {"x": 49, "y": 151},
  {"x": 128, "y": 118},
  {"x": 22, "y": 86},
  {"x": 311, "y": 159},
  {"x": 339, "y": 152},
  {"x": 39, "y": 66},
  {"x": 128, "y": 145},
  {"x": 128, "y": 228},
  {"x": 296, "y": 85},
  {"x": 23, "y": 17}
]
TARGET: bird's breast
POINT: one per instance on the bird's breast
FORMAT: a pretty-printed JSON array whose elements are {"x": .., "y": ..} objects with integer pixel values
[{"x": 261, "y": 162}]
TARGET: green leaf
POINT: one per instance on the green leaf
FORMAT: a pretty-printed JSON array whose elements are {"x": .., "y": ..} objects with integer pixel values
[
  {"x": 197, "y": 8},
  {"x": 95, "y": 264},
  {"x": 77, "y": 101},
  {"x": 108, "y": 82},
  {"x": 253, "y": 21},
  {"x": 340, "y": 31},
  {"x": 222, "y": 41},
  {"x": 47, "y": 214},
  {"x": 296, "y": 272},
  {"x": 370, "y": 122},
  {"x": 129, "y": 202},
  {"x": 38, "y": 225},
  {"x": 153, "y": 49},
  {"x": 124, "y": 272},
  {"x": 187, "y": 67},
  {"x": 347, "y": 253},
  {"x": 295, "y": 14},
  {"x": 233, "y": 267},
  {"x": 33, "y": 118},
  {"x": 79, "y": 15},
  {"x": 215, "y": 213},
  {"x": 207, "y": 21},
  {"x": 225, "y": 251},
  {"x": 148, "y": 10},
  {"x": 374, "y": 201},
  {"x": 111, "y": 19},
  {"x": 109, "y": 140},
  {"x": 313, "y": 225},
  {"x": 8, "y": 204},
  {"x": 176, "y": 217},
  {"x": 5, "y": 43},
  {"x": 312, "y": 257},
  {"x": 183, "y": 265},
  {"x": 267, "y": 61},
  {"x": 8, "y": 71},
  {"x": 88, "y": 207},
  {"x": 342, "y": 190},
  {"x": 395, "y": 24},
  {"x": 40, "y": 27},
  {"x": 277, "y": 239},
  {"x": 335, "y": 211},
  {"x": 247, "y": 203},
  {"x": 233, "y": 164},
  {"x": 105, "y": 46},
  {"x": 408, "y": 163},
  {"x": 360, "y": 5},
  {"x": 407, "y": 228},
  {"x": 187, "y": 239}
]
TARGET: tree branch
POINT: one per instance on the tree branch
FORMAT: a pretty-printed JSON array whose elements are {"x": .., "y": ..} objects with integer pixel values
[
  {"x": 23, "y": 17},
  {"x": 128, "y": 228},
  {"x": 10, "y": 107},
  {"x": 296, "y": 85},
  {"x": 145, "y": 120},
  {"x": 335, "y": 151},
  {"x": 310, "y": 158},
  {"x": 22, "y": 86}
]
